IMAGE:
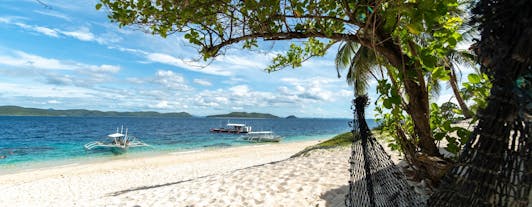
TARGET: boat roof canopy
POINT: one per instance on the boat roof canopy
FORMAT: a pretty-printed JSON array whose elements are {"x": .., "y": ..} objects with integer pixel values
[
  {"x": 115, "y": 135},
  {"x": 242, "y": 125}
]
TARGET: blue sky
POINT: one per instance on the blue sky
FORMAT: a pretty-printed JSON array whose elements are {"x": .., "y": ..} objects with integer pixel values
[{"x": 67, "y": 55}]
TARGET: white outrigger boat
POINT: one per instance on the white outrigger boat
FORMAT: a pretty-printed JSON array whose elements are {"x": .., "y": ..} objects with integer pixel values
[
  {"x": 118, "y": 141},
  {"x": 233, "y": 128},
  {"x": 262, "y": 136}
]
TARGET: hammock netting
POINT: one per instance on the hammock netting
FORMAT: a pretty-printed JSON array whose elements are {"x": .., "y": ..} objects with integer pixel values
[
  {"x": 495, "y": 167},
  {"x": 374, "y": 179}
]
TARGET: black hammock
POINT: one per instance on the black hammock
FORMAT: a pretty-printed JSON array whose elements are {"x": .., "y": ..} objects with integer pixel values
[{"x": 374, "y": 179}]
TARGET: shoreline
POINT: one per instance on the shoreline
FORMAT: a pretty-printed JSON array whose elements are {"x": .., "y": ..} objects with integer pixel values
[
  {"x": 26, "y": 166},
  {"x": 157, "y": 158}
]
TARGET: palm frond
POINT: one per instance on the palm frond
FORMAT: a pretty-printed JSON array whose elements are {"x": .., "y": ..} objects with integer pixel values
[
  {"x": 343, "y": 58},
  {"x": 361, "y": 68}
]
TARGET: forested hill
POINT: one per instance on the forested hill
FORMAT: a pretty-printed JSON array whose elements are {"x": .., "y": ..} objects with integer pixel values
[
  {"x": 21, "y": 111},
  {"x": 243, "y": 115}
]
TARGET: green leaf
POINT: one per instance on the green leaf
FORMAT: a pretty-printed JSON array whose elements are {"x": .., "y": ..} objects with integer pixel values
[
  {"x": 439, "y": 136},
  {"x": 98, "y": 6},
  {"x": 452, "y": 147},
  {"x": 387, "y": 103},
  {"x": 473, "y": 78},
  {"x": 463, "y": 134},
  {"x": 428, "y": 60},
  {"x": 447, "y": 125},
  {"x": 413, "y": 28}
]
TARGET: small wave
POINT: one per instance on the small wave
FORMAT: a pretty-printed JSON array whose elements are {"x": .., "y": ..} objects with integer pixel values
[
  {"x": 218, "y": 145},
  {"x": 185, "y": 152}
]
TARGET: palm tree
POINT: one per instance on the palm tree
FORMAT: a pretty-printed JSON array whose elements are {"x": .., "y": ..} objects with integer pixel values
[
  {"x": 455, "y": 58},
  {"x": 360, "y": 62}
]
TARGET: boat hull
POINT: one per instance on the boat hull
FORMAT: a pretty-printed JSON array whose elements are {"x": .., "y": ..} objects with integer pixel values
[{"x": 229, "y": 131}]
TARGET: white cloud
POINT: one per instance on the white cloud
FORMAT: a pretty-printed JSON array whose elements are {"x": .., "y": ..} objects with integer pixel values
[
  {"x": 315, "y": 89},
  {"x": 237, "y": 108},
  {"x": 22, "y": 59},
  {"x": 244, "y": 60},
  {"x": 41, "y": 90},
  {"x": 47, "y": 31},
  {"x": 83, "y": 34},
  {"x": 61, "y": 79},
  {"x": 130, "y": 50},
  {"x": 104, "y": 68},
  {"x": 202, "y": 82},
  {"x": 164, "y": 58},
  {"x": 205, "y": 101},
  {"x": 5, "y": 20},
  {"x": 161, "y": 105},
  {"x": 53, "y": 102},
  {"x": 240, "y": 90},
  {"x": 10, "y": 19},
  {"x": 26, "y": 60},
  {"x": 186, "y": 64},
  {"x": 345, "y": 93},
  {"x": 39, "y": 29},
  {"x": 171, "y": 80}
]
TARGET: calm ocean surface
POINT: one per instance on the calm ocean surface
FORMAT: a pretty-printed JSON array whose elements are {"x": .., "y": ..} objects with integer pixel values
[{"x": 35, "y": 142}]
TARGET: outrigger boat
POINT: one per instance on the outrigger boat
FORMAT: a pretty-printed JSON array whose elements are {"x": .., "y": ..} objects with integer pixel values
[
  {"x": 118, "y": 142},
  {"x": 262, "y": 136},
  {"x": 233, "y": 128}
]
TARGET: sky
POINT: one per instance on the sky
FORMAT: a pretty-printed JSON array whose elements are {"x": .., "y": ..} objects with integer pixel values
[{"x": 68, "y": 55}]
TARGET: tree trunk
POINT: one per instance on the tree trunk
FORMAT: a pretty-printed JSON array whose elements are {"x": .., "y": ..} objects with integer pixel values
[
  {"x": 418, "y": 108},
  {"x": 418, "y": 97},
  {"x": 454, "y": 85}
]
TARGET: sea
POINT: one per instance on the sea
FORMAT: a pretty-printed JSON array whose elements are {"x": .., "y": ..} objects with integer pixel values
[{"x": 34, "y": 142}]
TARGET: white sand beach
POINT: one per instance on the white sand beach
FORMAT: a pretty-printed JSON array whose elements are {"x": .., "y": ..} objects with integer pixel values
[{"x": 259, "y": 175}]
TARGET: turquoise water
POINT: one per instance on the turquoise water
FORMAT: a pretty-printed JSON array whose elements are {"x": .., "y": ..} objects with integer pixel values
[{"x": 32, "y": 142}]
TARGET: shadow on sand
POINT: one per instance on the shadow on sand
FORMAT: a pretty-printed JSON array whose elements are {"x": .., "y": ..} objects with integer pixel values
[
  {"x": 117, "y": 193},
  {"x": 335, "y": 197}
]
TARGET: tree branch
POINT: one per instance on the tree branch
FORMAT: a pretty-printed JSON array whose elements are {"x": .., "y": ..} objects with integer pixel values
[
  {"x": 213, "y": 49},
  {"x": 314, "y": 17}
]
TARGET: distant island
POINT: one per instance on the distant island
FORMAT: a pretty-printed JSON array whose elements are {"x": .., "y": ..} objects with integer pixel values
[
  {"x": 22, "y": 111},
  {"x": 291, "y": 117},
  {"x": 243, "y": 115}
]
